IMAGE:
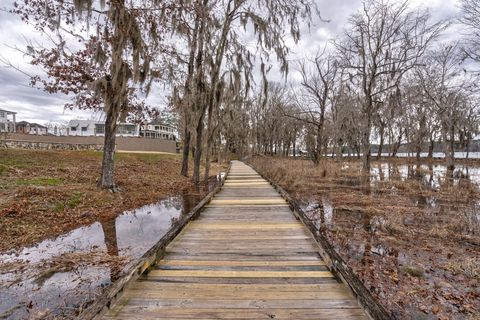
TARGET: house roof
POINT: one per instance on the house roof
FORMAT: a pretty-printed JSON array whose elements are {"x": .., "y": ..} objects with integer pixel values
[
  {"x": 31, "y": 124},
  {"x": 7, "y": 111},
  {"x": 81, "y": 123},
  {"x": 159, "y": 122},
  {"x": 86, "y": 123},
  {"x": 37, "y": 125}
]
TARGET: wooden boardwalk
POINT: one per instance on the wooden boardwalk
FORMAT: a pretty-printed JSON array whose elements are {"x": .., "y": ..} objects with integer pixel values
[{"x": 245, "y": 257}]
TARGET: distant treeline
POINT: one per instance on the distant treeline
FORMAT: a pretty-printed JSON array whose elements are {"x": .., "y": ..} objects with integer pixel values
[{"x": 474, "y": 146}]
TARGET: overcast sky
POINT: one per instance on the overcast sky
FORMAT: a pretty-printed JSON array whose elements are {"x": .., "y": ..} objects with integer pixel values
[{"x": 32, "y": 104}]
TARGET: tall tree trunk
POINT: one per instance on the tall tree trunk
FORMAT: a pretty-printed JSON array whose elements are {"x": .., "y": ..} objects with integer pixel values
[
  {"x": 447, "y": 147},
  {"x": 215, "y": 92},
  {"x": 186, "y": 152},
  {"x": 107, "y": 179},
  {"x": 208, "y": 152},
  {"x": 213, "y": 105},
  {"x": 318, "y": 144},
  {"x": 451, "y": 159},
  {"x": 114, "y": 90},
  {"x": 189, "y": 98},
  {"x": 225, "y": 150},
  {"x": 467, "y": 147},
  {"x": 339, "y": 151},
  {"x": 430, "y": 148},
  {"x": 390, "y": 143},
  {"x": 419, "y": 151},
  {"x": 396, "y": 144},
  {"x": 198, "y": 150},
  {"x": 199, "y": 93},
  {"x": 380, "y": 147},
  {"x": 366, "y": 144}
]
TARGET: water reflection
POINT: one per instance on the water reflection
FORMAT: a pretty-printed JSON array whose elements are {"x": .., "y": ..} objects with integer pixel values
[
  {"x": 399, "y": 222},
  {"x": 431, "y": 175},
  {"x": 61, "y": 292}
]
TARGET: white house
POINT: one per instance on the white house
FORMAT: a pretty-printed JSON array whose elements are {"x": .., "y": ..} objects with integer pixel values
[
  {"x": 97, "y": 128},
  {"x": 158, "y": 130},
  {"x": 7, "y": 121}
]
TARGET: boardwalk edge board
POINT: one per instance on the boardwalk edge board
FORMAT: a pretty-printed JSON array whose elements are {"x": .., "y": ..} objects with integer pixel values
[
  {"x": 151, "y": 257},
  {"x": 333, "y": 260}
]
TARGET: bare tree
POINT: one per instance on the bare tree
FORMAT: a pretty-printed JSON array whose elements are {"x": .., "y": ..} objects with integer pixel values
[
  {"x": 471, "y": 19},
  {"x": 316, "y": 95},
  {"x": 383, "y": 42},
  {"x": 447, "y": 86},
  {"x": 118, "y": 43}
]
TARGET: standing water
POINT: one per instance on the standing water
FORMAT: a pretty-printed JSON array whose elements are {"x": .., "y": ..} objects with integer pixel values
[{"x": 60, "y": 277}]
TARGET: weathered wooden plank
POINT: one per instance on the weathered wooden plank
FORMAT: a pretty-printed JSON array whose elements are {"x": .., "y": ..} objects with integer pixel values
[
  {"x": 237, "y": 247},
  {"x": 259, "y": 195},
  {"x": 259, "y": 205},
  {"x": 254, "y": 187},
  {"x": 241, "y": 274},
  {"x": 237, "y": 234},
  {"x": 229, "y": 217},
  {"x": 247, "y": 201},
  {"x": 158, "y": 304},
  {"x": 246, "y": 182},
  {"x": 249, "y": 281},
  {"x": 234, "y": 243},
  {"x": 248, "y": 268},
  {"x": 245, "y": 256},
  {"x": 149, "y": 292},
  {"x": 325, "y": 287},
  {"x": 167, "y": 262},
  {"x": 240, "y": 225},
  {"x": 253, "y": 313},
  {"x": 265, "y": 211},
  {"x": 247, "y": 252},
  {"x": 220, "y": 237}
]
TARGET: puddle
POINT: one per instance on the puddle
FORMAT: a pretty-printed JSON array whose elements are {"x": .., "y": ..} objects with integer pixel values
[
  {"x": 431, "y": 175},
  {"x": 406, "y": 249},
  {"x": 61, "y": 293}
]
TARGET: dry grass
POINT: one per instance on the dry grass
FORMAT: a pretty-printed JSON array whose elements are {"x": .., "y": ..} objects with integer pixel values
[
  {"x": 71, "y": 261},
  {"x": 46, "y": 193},
  {"x": 396, "y": 230},
  {"x": 469, "y": 267}
]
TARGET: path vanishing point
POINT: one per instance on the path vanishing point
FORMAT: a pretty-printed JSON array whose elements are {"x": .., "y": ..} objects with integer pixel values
[{"x": 245, "y": 257}]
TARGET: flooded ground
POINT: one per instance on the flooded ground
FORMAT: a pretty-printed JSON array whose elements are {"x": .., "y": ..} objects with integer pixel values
[
  {"x": 410, "y": 232},
  {"x": 59, "y": 277}
]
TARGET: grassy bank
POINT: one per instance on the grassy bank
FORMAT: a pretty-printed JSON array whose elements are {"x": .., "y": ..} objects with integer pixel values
[{"x": 47, "y": 193}]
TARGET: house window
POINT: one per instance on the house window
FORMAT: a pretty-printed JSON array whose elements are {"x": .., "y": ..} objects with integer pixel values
[
  {"x": 73, "y": 128},
  {"x": 84, "y": 129},
  {"x": 100, "y": 128},
  {"x": 126, "y": 129},
  {"x": 2, "y": 114},
  {"x": 157, "y": 127}
]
